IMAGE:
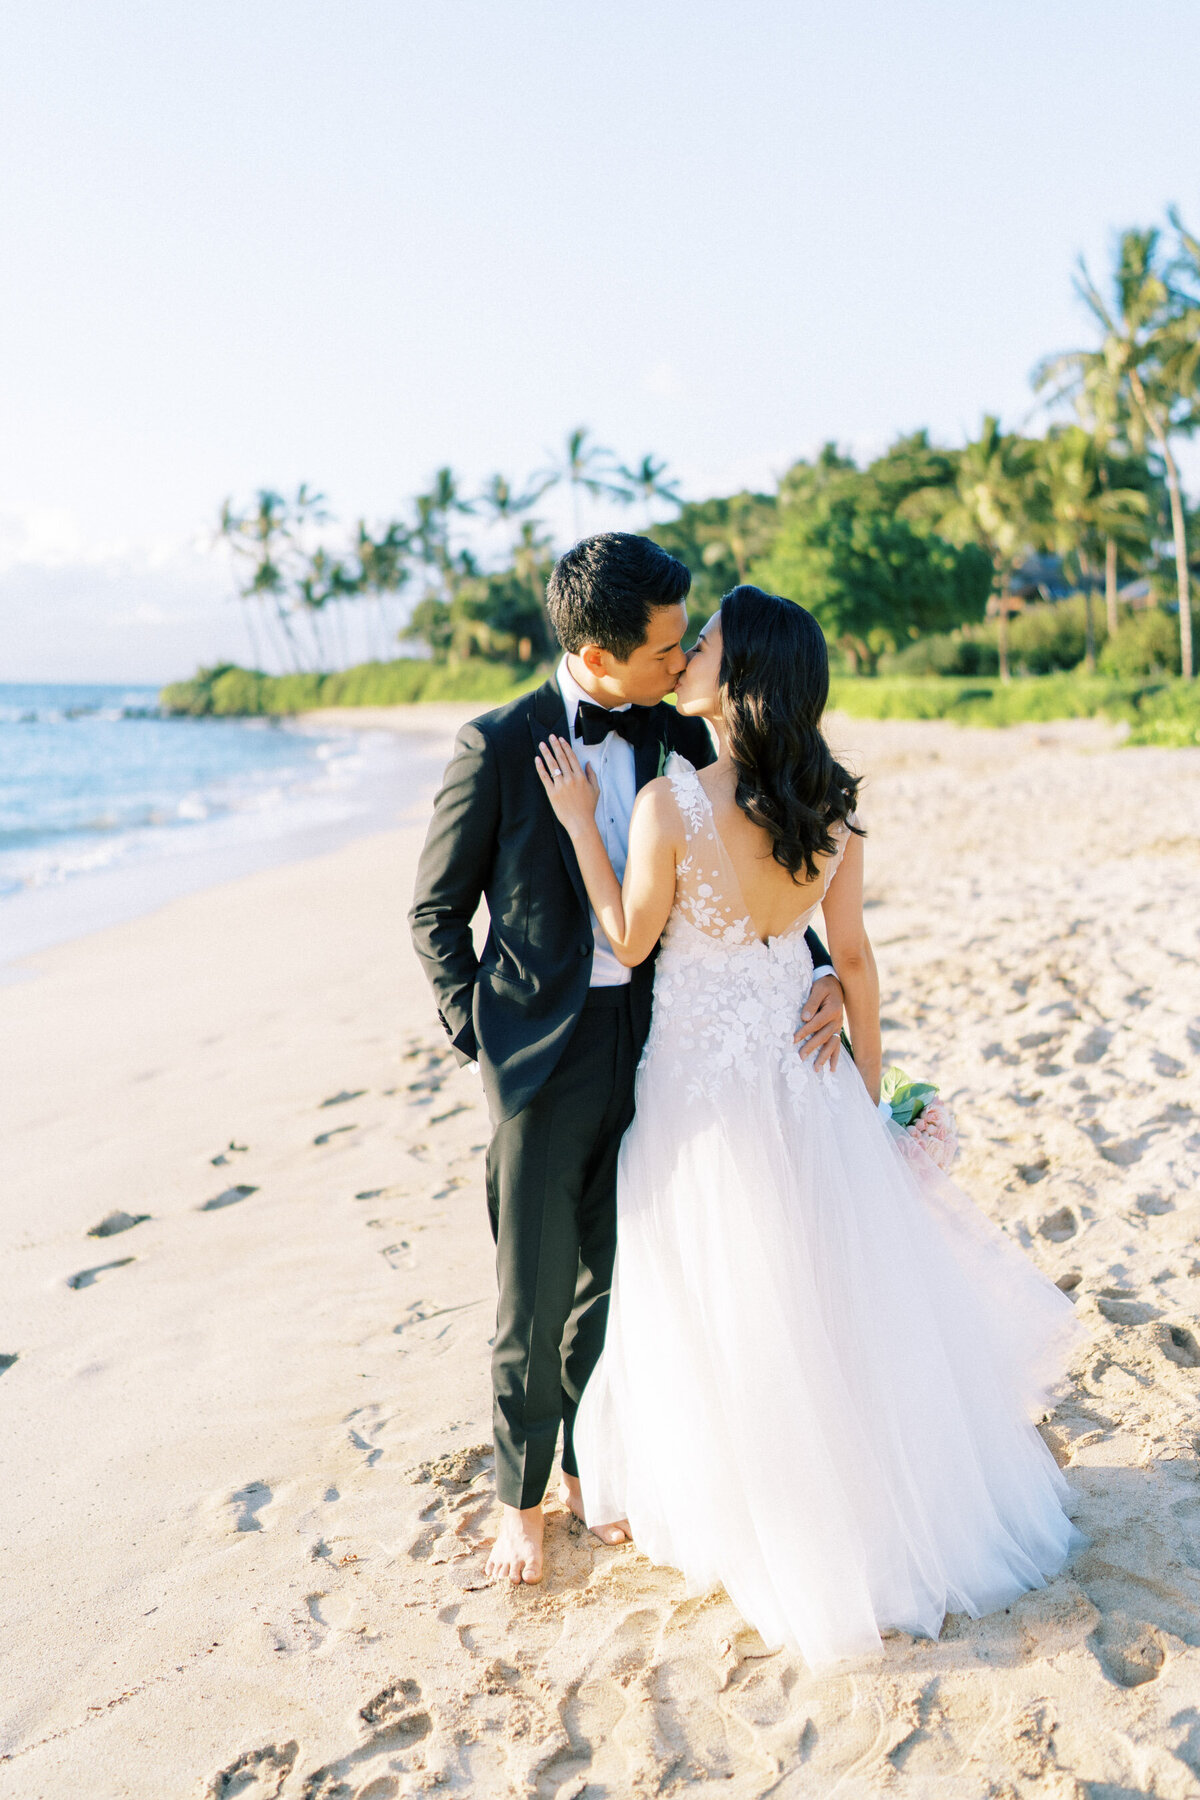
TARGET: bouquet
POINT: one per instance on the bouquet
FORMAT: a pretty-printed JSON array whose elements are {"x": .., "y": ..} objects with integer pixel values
[{"x": 923, "y": 1116}]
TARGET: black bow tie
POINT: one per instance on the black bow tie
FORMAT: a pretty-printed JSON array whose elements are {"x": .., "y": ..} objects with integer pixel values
[{"x": 593, "y": 723}]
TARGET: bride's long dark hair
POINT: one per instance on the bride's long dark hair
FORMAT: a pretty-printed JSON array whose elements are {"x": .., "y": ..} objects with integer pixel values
[{"x": 774, "y": 685}]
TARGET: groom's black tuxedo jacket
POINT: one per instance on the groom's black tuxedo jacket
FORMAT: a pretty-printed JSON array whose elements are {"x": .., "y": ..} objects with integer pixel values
[{"x": 494, "y": 836}]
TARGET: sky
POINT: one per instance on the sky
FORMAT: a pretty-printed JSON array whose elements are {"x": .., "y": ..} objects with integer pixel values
[{"x": 256, "y": 242}]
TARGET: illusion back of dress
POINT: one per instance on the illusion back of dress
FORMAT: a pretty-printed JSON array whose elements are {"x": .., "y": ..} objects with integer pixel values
[
  {"x": 708, "y": 891},
  {"x": 725, "y": 999}
]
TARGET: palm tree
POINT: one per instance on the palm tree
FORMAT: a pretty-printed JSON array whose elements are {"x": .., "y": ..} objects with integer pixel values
[
  {"x": 1101, "y": 407},
  {"x": 1088, "y": 511},
  {"x": 504, "y": 503},
  {"x": 382, "y": 569},
  {"x": 645, "y": 483},
  {"x": 430, "y": 535},
  {"x": 531, "y": 554},
  {"x": 530, "y": 551},
  {"x": 584, "y": 466},
  {"x": 1148, "y": 353},
  {"x": 262, "y": 537},
  {"x": 997, "y": 500}
]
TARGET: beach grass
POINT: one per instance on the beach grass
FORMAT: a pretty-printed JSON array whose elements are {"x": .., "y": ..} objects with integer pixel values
[{"x": 1164, "y": 711}]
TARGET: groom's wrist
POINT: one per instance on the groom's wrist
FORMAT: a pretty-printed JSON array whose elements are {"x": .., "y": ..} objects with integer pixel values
[{"x": 825, "y": 969}]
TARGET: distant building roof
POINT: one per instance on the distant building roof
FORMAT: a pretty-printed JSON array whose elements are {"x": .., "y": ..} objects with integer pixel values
[{"x": 1042, "y": 575}]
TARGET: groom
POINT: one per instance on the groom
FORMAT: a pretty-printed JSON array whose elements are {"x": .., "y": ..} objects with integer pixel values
[{"x": 553, "y": 1019}]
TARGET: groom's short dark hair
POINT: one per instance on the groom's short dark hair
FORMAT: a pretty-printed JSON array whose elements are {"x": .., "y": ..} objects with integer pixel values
[{"x": 605, "y": 588}]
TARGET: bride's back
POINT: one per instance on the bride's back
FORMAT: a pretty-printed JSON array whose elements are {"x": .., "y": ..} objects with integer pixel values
[{"x": 772, "y": 899}]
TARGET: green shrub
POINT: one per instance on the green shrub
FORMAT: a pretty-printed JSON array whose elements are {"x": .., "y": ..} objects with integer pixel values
[
  {"x": 1042, "y": 640},
  {"x": 943, "y": 653},
  {"x": 229, "y": 692},
  {"x": 1170, "y": 715},
  {"x": 238, "y": 691},
  {"x": 1026, "y": 699},
  {"x": 195, "y": 698},
  {"x": 1146, "y": 643}
]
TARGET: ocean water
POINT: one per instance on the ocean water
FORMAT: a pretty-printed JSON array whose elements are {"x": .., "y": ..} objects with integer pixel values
[{"x": 108, "y": 809}]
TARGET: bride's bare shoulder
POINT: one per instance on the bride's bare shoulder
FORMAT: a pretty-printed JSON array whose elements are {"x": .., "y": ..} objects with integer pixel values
[{"x": 656, "y": 810}]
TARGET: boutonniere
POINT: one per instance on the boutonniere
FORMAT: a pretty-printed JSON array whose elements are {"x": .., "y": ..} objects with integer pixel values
[{"x": 662, "y": 756}]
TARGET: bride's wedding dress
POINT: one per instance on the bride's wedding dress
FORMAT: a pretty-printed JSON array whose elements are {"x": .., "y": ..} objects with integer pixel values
[{"x": 822, "y": 1362}]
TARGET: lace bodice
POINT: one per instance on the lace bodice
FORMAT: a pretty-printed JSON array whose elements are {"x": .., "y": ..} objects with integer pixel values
[{"x": 723, "y": 997}]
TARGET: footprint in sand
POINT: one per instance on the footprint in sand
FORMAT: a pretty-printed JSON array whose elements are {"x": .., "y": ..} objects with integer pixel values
[
  {"x": 1129, "y": 1652},
  {"x": 7, "y": 1361},
  {"x": 456, "y": 1470},
  {"x": 398, "y": 1256},
  {"x": 229, "y": 1197},
  {"x": 396, "y": 1721},
  {"x": 325, "y": 1136},
  {"x": 117, "y": 1221},
  {"x": 222, "y": 1157},
  {"x": 346, "y": 1094},
  {"x": 440, "y": 1118},
  {"x": 1178, "y": 1345},
  {"x": 593, "y": 1710},
  {"x": 1059, "y": 1226},
  {"x": 1120, "y": 1306},
  {"x": 420, "y": 1311},
  {"x": 248, "y": 1502},
  {"x": 255, "y": 1774},
  {"x": 88, "y": 1277}
]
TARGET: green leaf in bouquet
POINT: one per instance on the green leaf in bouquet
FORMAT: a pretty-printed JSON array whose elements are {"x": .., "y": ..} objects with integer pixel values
[{"x": 907, "y": 1099}]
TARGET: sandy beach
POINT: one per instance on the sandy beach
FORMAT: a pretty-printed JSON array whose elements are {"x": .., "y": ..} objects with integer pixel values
[{"x": 247, "y": 1297}]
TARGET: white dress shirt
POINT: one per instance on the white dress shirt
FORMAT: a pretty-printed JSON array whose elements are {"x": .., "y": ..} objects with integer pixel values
[{"x": 612, "y": 760}]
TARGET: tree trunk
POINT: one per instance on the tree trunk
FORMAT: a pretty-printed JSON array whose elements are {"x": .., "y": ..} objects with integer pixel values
[
  {"x": 248, "y": 614},
  {"x": 289, "y": 636},
  {"x": 1181, "y": 564},
  {"x": 1002, "y": 629},
  {"x": 1110, "y": 586},
  {"x": 1177, "y": 522}
]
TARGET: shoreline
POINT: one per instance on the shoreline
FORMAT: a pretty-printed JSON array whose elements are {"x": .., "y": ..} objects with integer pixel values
[
  {"x": 248, "y": 1478},
  {"x": 36, "y": 919}
]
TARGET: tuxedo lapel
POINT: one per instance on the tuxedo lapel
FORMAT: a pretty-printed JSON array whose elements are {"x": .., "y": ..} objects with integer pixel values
[
  {"x": 651, "y": 753},
  {"x": 549, "y": 714}
]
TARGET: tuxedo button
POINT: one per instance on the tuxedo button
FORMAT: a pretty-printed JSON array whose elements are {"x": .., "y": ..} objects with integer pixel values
[{"x": 585, "y": 949}]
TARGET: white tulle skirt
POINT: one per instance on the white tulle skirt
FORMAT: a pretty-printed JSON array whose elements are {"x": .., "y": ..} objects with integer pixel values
[{"x": 821, "y": 1370}]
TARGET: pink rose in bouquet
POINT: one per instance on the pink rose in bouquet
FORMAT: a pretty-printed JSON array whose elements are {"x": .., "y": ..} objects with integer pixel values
[
  {"x": 934, "y": 1130},
  {"x": 922, "y": 1114}
]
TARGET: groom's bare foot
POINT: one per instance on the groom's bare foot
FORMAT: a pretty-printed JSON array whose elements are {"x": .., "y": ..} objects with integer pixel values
[
  {"x": 571, "y": 1494},
  {"x": 517, "y": 1553}
]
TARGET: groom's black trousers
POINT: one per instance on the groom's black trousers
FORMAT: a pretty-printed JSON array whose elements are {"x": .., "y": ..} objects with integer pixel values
[{"x": 551, "y": 1187}]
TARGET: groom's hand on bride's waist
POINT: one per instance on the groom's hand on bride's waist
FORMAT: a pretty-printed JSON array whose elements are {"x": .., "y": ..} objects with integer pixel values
[{"x": 820, "y": 1033}]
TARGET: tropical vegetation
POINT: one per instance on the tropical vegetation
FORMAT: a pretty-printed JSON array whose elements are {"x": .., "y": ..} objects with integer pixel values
[{"x": 1017, "y": 554}]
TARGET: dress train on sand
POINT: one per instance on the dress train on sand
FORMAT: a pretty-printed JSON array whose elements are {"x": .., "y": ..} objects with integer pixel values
[{"x": 822, "y": 1362}]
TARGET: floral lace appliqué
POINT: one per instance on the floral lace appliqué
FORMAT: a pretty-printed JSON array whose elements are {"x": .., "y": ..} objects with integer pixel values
[{"x": 723, "y": 999}]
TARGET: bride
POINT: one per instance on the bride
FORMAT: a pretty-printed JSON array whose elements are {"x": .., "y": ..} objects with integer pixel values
[{"x": 822, "y": 1362}]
